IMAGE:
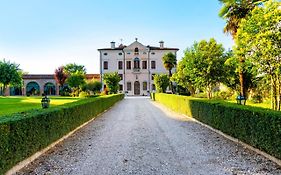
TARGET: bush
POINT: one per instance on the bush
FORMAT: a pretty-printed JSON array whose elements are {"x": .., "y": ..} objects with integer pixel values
[
  {"x": 255, "y": 126},
  {"x": 23, "y": 134},
  {"x": 83, "y": 94}
]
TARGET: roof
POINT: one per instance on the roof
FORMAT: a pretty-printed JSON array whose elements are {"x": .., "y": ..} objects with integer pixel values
[
  {"x": 164, "y": 48},
  {"x": 51, "y": 76},
  {"x": 121, "y": 47}
]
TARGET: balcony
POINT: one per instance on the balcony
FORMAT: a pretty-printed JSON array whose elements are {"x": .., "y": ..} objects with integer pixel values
[{"x": 136, "y": 70}]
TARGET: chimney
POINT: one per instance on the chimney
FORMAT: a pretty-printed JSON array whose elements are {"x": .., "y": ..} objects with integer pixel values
[
  {"x": 112, "y": 45},
  {"x": 161, "y": 44}
]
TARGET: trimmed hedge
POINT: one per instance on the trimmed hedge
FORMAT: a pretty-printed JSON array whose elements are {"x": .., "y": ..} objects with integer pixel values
[
  {"x": 23, "y": 134},
  {"x": 258, "y": 127}
]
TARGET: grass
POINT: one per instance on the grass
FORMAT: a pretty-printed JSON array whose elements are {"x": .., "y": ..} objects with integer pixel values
[{"x": 9, "y": 105}]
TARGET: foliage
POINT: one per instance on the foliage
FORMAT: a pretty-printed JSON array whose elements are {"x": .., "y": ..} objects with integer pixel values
[
  {"x": 76, "y": 80},
  {"x": 23, "y": 134},
  {"x": 183, "y": 78},
  {"x": 84, "y": 94},
  {"x": 112, "y": 82},
  {"x": 94, "y": 86},
  {"x": 73, "y": 68},
  {"x": 161, "y": 82},
  {"x": 169, "y": 61},
  {"x": 233, "y": 11},
  {"x": 201, "y": 66},
  {"x": 60, "y": 76},
  {"x": 10, "y": 74},
  {"x": 258, "y": 39},
  {"x": 255, "y": 126}
]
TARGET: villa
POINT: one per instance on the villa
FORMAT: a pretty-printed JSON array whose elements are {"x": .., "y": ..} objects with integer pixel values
[{"x": 136, "y": 64}]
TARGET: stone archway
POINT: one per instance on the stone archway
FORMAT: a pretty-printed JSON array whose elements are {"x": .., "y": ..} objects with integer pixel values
[
  {"x": 49, "y": 89},
  {"x": 32, "y": 88},
  {"x": 137, "y": 88}
]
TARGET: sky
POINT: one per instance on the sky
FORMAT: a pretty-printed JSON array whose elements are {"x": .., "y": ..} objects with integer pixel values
[{"x": 41, "y": 35}]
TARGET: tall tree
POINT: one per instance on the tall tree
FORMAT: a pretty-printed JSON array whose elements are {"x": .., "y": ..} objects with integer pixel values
[
  {"x": 72, "y": 68},
  {"x": 10, "y": 74},
  {"x": 258, "y": 39},
  {"x": 60, "y": 76},
  {"x": 170, "y": 61},
  {"x": 203, "y": 65},
  {"x": 233, "y": 11}
]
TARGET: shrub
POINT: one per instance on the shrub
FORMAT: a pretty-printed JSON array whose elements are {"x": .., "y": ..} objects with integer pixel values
[
  {"x": 23, "y": 134},
  {"x": 83, "y": 94},
  {"x": 256, "y": 98},
  {"x": 161, "y": 82},
  {"x": 255, "y": 126}
]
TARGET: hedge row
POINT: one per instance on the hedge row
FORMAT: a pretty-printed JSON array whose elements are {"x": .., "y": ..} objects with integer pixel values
[
  {"x": 23, "y": 134},
  {"x": 258, "y": 127}
]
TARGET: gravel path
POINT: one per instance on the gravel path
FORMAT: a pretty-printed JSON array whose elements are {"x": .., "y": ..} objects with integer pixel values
[{"x": 138, "y": 136}]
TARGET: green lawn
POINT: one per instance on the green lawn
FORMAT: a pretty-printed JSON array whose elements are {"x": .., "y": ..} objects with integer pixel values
[{"x": 9, "y": 105}]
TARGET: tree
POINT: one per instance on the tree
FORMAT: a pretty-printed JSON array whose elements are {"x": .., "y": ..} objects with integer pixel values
[
  {"x": 182, "y": 77},
  {"x": 202, "y": 65},
  {"x": 94, "y": 86},
  {"x": 170, "y": 61},
  {"x": 233, "y": 11},
  {"x": 112, "y": 82},
  {"x": 10, "y": 74},
  {"x": 76, "y": 80},
  {"x": 60, "y": 76},
  {"x": 72, "y": 68},
  {"x": 258, "y": 39},
  {"x": 161, "y": 82}
]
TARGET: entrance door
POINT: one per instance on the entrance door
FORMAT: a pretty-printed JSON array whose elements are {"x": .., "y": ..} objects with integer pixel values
[{"x": 137, "y": 88}]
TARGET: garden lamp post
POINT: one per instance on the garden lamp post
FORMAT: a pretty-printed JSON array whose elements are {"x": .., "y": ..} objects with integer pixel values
[
  {"x": 241, "y": 100},
  {"x": 45, "y": 102}
]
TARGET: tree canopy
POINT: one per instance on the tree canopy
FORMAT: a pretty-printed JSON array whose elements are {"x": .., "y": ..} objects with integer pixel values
[
  {"x": 10, "y": 74},
  {"x": 161, "y": 82},
  {"x": 72, "y": 68},
  {"x": 112, "y": 82}
]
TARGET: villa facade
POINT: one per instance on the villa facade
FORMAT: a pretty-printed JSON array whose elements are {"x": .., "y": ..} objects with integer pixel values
[{"x": 136, "y": 64}]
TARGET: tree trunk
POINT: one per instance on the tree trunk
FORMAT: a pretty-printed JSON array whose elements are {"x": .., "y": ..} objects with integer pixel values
[
  {"x": 278, "y": 93},
  {"x": 171, "y": 83},
  {"x": 242, "y": 78},
  {"x": 273, "y": 93}
]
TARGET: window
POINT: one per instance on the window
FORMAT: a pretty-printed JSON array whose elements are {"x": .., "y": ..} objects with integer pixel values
[
  {"x": 128, "y": 53},
  {"x": 120, "y": 65},
  {"x": 136, "y": 51},
  {"x": 121, "y": 76},
  {"x": 144, "y": 85},
  {"x": 104, "y": 53},
  {"x": 153, "y": 65},
  {"x": 153, "y": 53},
  {"x": 153, "y": 87},
  {"x": 144, "y": 64},
  {"x": 120, "y": 53},
  {"x": 129, "y": 86},
  {"x": 128, "y": 64},
  {"x": 120, "y": 87},
  {"x": 105, "y": 65},
  {"x": 152, "y": 76},
  {"x": 136, "y": 63}
]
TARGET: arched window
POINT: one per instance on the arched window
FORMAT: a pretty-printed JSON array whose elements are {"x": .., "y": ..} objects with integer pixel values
[
  {"x": 136, "y": 63},
  {"x": 136, "y": 51},
  {"x": 32, "y": 88},
  {"x": 50, "y": 89}
]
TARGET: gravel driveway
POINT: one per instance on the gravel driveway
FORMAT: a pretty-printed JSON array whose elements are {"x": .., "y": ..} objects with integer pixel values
[{"x": 138, "y": 136}]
